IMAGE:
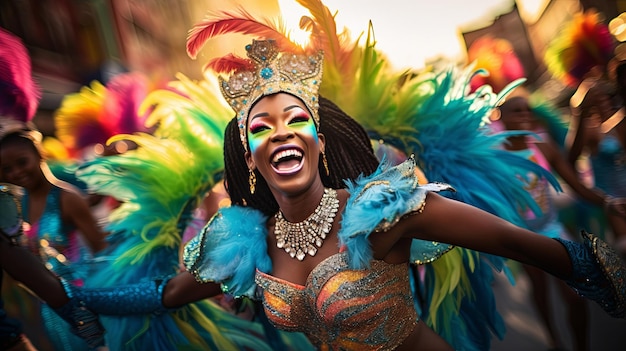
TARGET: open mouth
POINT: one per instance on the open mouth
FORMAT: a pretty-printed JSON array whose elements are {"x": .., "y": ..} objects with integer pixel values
[{"x": 287, "y": 161}]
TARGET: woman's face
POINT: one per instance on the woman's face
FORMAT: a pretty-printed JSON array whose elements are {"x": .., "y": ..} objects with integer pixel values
[
  {"x": 20, "y": 165},
  {"x": 515, "y": 114},
  {"x": 284, "y": 144}
]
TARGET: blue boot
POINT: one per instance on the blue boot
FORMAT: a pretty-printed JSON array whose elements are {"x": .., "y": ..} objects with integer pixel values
[{"x": 599, "y": 273}]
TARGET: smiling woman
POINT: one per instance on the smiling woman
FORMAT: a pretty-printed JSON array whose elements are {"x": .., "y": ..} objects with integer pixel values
[{"x": 378, "y": 215}]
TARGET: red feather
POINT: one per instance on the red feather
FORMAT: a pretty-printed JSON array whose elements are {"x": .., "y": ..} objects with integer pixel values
[
  {"x": 228, "y": 64},
  {"x": 239, "y": 21}
]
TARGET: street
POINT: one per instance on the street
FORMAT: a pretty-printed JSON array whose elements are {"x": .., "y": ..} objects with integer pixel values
[{"x": 525, "y": 332}]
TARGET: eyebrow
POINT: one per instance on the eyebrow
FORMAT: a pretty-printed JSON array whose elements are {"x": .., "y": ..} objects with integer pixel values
[{"x": 265, "y": 114}]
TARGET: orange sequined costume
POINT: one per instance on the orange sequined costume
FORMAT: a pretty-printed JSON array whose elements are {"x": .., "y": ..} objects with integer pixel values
[{"x": 342, "y": 308}]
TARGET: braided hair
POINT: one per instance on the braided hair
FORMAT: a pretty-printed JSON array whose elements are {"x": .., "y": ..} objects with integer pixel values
[{"x": 348, "y": 151}]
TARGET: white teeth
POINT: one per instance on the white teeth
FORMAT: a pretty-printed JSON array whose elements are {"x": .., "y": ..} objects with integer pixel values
[{"x": 286, "y": 153}]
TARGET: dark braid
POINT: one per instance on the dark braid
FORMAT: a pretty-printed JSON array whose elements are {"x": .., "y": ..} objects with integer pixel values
[
  {"x": 236, "y": 175},
  {"x": 348, "y": 151},
  {"x": 348, "y": 147}
]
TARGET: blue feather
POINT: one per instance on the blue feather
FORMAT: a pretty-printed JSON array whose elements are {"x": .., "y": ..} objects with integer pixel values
[
  {"x": 229, "y": 250},
  {"x": 378, "y": 201}
]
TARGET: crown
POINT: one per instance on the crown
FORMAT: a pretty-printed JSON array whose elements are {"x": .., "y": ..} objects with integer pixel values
[{"x": 274, "y": 72}]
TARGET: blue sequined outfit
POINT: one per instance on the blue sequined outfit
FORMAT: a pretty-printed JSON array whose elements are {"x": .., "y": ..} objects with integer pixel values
[
  {"x": 65, "y": 240},
  {"x": 609, "y": 166}
]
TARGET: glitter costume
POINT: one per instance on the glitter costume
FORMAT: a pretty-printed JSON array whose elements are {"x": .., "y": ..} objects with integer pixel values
[
  {"x": 66, "y": 241},
  {"x": 342, "y": 307},
  {"x": 609, "y": 165},
  {"x": 50, "y": 227}
]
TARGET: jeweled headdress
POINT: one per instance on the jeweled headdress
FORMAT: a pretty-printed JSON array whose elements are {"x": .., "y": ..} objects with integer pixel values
[{"x": 273, "y": 72}]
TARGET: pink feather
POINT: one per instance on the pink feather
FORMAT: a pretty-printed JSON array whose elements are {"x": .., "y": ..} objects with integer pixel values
[
  {"x": 125, "y": 92},
  {"x": 19, "y": 94},
  {"x": 498, "y": 57}
]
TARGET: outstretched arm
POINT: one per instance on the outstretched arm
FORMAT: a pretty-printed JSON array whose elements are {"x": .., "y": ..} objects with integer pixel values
[
  {"x": 453, "y": 222},
  {"x": 20, "y": 264},
  {"x": 183, "y": 289},
  {"x": 567, "y": 172},
  {"x": 27, "y": 269}
]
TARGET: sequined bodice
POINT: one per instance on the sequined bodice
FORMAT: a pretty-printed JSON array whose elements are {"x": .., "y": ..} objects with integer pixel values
[
  {"x": 50, "y": 227},
  {"x": 344, "y": 309},
  {"x": 609, "y": 166}
]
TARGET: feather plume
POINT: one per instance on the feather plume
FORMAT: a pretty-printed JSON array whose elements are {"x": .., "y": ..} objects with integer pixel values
[
  {"x": 496, "y": 56},
  {"x": 238, "y": 21},
  {"x": 322, "y": 27},
  {"x": 583, "y": 44},
  {"x": 19, "y": 94},
  {"x": 228, "y": 64},
  {"x": 341, "y": 54},
  {"x": 159, "y": 184},
  {"x": 98, "y": 112}
]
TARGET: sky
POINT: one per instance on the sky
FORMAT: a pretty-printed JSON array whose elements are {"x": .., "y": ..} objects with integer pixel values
[{"x": 411, "y": 32}]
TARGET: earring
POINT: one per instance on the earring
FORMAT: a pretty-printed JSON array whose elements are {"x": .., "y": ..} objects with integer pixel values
[
  {"x": 325, "y": 163},
  {"x": 252, "y": 181}
]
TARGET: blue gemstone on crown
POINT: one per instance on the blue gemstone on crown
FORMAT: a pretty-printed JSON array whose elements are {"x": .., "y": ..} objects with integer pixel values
[{"x": 266, "y": 73}]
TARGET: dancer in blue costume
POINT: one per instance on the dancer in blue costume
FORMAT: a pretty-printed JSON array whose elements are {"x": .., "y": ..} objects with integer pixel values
[
  {"x": 58, "y": 219},
  {"x": 582, "y": 56},
  {"x": 57, "y": 215}
]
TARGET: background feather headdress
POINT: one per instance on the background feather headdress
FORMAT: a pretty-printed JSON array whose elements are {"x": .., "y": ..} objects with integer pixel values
[
  {"x": 98, "y": 112},
  {"x": 19, "y": 94},
  {"x": 498, "y": 58},
  {"x": 584, "y": 44}
]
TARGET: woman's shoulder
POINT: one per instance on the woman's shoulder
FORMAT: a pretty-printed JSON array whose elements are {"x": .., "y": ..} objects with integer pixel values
[
  {"x": 229, "y": 250},
  {"x": 377, "y": 202},
  {"x": 390, "y": 184}
]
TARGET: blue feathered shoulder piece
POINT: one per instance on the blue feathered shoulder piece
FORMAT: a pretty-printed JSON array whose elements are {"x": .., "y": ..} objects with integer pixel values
[
  {"x": 229, "y": 250},
  {"x": 377, "y": 202}
]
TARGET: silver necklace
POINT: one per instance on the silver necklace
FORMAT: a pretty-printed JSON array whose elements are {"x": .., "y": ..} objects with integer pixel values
[{"x": 298, "y": 239}]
